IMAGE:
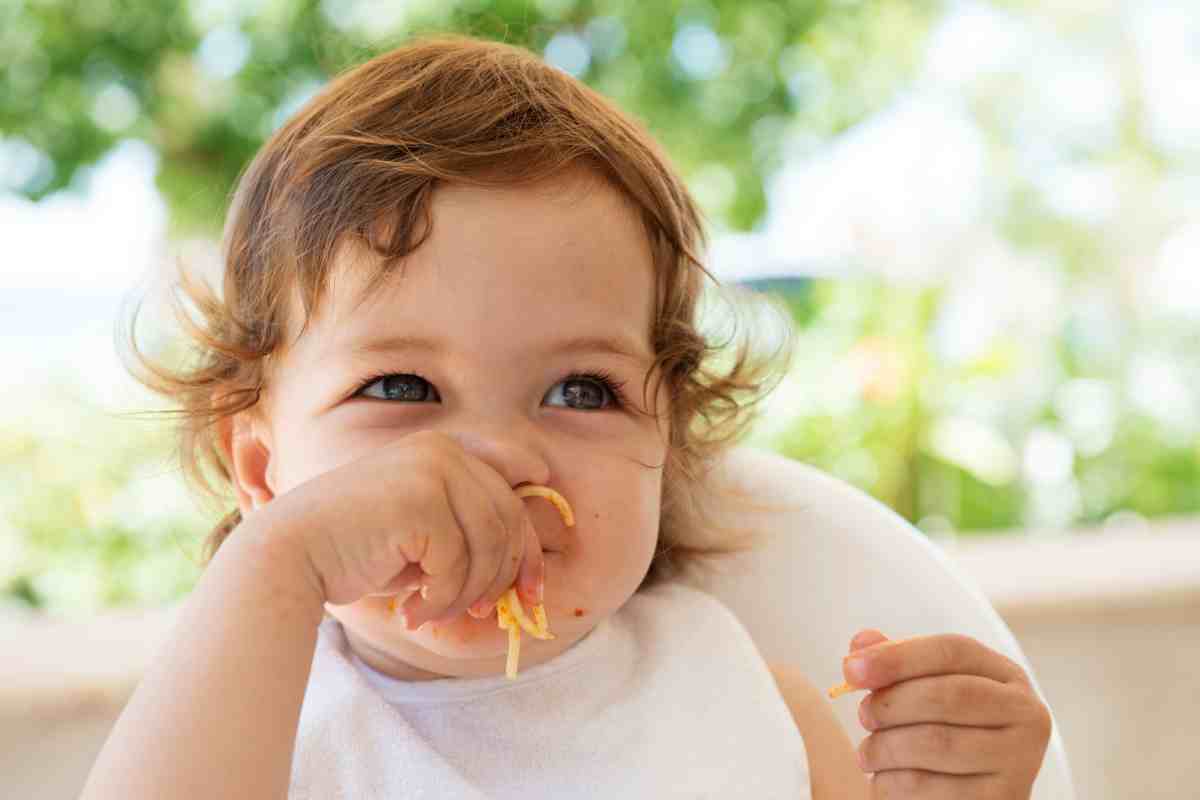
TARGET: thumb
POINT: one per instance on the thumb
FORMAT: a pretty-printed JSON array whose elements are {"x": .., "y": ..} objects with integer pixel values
[
  {"x": 866, "y": 638},
  {"x": 407, "y": 579}
]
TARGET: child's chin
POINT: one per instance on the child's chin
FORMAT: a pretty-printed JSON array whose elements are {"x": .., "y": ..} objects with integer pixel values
[{"x": 462, "y": 637}]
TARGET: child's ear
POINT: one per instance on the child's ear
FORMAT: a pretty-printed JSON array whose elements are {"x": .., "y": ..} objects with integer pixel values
[{"x": 249, "y": 453}]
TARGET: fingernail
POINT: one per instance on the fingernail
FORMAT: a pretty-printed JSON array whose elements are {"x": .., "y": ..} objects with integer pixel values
[
  {"x": 862, "y": 761},
  {"x": 540, "y": 592},
  {"x": 414, "y": 620},
  {"x": 864, "y": 716},
  {"x": 480, "y": 610},
  {"x": 856, "y": 670}
]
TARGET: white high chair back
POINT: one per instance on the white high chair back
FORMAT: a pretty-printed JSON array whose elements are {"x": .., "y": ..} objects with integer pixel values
[{"x": 834, "y": 561}]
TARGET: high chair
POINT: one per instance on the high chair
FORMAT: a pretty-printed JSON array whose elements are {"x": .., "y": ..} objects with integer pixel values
[{"x": 834, "y": 561}]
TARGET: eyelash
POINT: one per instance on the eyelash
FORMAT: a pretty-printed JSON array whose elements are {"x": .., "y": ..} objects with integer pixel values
[{"x": 603, "y": 377}]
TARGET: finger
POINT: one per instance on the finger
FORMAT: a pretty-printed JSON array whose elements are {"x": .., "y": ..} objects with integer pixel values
[
  {"x": 866, "y": 638},
  {"x": 503, "y": 580},
  {"x": 861, "y": 640},
  {"x": 407, "y": 579},
  {"x": 501, "y": 547},
  {"x": 443, "y": 561},
  {"x": 949, "y": 699},
  {"x": 533, "y": 568},
  {"x": 950, "y": 749},
  {"x": 943, "y": 654},
  {"x": 517, "y": 522},
  {"x": 465, "y": 560},
  {"x": 908, "y": 783},
  {"x": 512, "y": 511},
  {"x": 400, "y": 588}
]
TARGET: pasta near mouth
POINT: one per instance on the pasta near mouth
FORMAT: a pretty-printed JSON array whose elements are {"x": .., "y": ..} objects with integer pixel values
[{"x": 510, "y": 613}]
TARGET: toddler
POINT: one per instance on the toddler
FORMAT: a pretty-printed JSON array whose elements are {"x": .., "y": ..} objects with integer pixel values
[{"x": 456, "y": 272}]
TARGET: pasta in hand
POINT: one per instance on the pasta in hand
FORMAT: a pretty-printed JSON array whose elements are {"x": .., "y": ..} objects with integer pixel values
[{"x": 510, "y": 613}]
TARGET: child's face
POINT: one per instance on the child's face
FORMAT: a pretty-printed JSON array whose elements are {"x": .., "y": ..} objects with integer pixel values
[{"x": 506, "y": 275}]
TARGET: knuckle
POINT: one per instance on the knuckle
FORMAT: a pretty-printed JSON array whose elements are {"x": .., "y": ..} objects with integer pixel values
[
  {"x": 963, "y": 693},
  {"x": 1030, "y": 708},
  {"x": 950, "y": 646},
  {"x": 885, "y": 664},
  {"x": 1021, "y": 676},
  {"x": 881, "y": 749},
  {"x": 442, "y": 589},
  {"x": 939, "y": 740},
  {"x": 940, "y": 695},
  {"x": 880, "y": 703},
  {"x": 962, "y": 641},
  {"x": 1043, "y": 722},
  {"x": 915, "y": 781},
  {"x": 457, "y": 565},
  {"x": 902, "y": 782},
  {"x": 500, "y": 526},
  {"x": 423, "y": 484},
  {"x": 403, "y": 547},
  {"x": 498, "y": 550},
  {"x": 437, "y": 445},
  {"x": 512, "y": 510},
  {"x": 868, "y": 750}
]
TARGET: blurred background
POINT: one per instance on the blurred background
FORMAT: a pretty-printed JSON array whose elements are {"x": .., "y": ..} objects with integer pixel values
[{"x": 984, "y": 218}]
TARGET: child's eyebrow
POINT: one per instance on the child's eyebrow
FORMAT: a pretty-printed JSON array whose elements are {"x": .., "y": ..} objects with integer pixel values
[{"x": 619, "y": 346}]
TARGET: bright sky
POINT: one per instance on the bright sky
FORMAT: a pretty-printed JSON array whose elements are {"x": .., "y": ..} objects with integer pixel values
[{"x": 69, "y": 261}]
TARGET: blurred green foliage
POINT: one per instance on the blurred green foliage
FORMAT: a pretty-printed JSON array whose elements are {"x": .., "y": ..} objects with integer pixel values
[
  {"x": 1080, "y": 421},
  {"x": 205, "y": 82},
  {"x": 95, "y": 513},
  {"x": 961, "y": 445},
  {"x": 720, "y": 83}
]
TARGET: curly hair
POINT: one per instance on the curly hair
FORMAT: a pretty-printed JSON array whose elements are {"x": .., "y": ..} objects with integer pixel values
[{"x": 371, "y": 148}]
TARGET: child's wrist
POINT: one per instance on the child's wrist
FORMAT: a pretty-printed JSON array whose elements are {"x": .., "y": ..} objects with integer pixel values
[{"x": 280, "y": 554}]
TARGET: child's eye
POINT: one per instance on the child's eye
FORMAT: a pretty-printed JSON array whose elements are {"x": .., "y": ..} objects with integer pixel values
[
  {"x": 404, "y": 386},
  {"x": 580, "y": 391},
  {"x": 587, "y": 391}
]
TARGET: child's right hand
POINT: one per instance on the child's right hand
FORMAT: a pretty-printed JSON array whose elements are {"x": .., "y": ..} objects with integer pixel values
[{"x": 419, "y": 512}]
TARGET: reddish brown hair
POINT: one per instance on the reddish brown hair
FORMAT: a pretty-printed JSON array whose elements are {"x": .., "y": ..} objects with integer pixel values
[{"x": 371, "y": 148}]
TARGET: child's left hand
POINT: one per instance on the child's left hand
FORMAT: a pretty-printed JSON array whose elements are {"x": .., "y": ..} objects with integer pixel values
[{"x": 949, "y": 718}]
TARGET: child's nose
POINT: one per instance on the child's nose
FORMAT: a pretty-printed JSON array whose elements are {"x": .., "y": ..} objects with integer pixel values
[{"x": 517, "y": 461}]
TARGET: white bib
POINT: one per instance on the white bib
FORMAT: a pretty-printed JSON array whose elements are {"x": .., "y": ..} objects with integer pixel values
[{"x": 667, "y": 698}]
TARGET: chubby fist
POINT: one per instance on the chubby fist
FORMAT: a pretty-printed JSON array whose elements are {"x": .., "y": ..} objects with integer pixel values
[{"x": 948, "y": 716}]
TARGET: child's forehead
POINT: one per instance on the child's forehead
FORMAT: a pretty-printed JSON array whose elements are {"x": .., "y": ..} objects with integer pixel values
[
  {"x": 525, "y": 259},
  {"x": 578, "y": 195}
]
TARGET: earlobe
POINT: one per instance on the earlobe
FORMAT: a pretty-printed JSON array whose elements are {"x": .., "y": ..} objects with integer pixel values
[{"x": 250, "y": 459}]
